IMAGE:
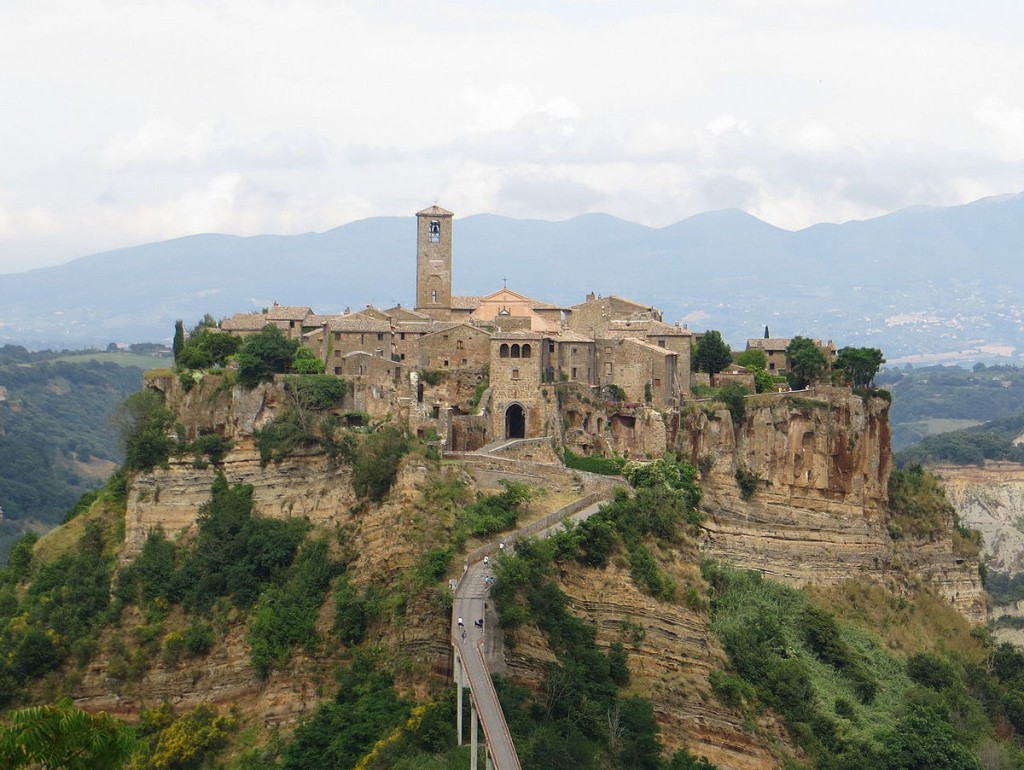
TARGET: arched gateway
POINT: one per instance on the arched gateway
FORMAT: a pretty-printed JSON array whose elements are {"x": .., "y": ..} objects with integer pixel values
[{"x": 515, "y": 421}]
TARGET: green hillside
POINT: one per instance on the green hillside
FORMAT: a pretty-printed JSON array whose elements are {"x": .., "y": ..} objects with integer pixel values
[{"x": 55, "y": 439}]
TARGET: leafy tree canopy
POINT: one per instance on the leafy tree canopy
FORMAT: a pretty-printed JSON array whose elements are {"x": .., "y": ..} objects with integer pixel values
[
  {"x": 859, "y": 365},
  {"x": 807, "y": 364},
  {"x": 263, "y": 355},
  {"x": 712, "y": 354},
  {"x": 753, "y": 358}
]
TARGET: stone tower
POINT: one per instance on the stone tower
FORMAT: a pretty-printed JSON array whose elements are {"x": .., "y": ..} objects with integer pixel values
[{"x": 434, "y": 262}]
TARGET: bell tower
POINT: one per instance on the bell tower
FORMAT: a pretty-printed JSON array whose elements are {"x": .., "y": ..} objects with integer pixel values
[{"x": 434, "y": 262}]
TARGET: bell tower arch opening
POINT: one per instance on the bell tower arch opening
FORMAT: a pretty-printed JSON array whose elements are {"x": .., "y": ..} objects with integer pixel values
[{"x": 515, "y": 421}]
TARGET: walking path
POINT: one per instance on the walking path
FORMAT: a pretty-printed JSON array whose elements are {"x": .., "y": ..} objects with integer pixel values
[{"x": 472, "y": 642}]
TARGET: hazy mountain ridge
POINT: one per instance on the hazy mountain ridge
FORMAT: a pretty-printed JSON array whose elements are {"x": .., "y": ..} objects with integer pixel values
[{"x": 924, "y": 280}]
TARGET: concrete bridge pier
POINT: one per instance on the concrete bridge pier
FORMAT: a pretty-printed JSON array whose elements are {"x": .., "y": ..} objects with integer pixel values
[
  {"x": 459, "y": 684},
  {"x": 474, "y": 753}
]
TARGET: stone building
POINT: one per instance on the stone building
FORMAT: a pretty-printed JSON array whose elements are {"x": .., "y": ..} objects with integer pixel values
[{"x": 481, "y": 368}]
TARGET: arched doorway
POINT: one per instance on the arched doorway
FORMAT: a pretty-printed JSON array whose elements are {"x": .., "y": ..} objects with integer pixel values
[{"x": 515, "y": 422}]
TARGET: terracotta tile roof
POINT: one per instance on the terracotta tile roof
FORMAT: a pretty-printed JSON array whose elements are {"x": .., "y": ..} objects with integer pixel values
[
  {"x": 618, "y": 299},
  {"x": 357, "y": 322},
  {"x": 569, "y": 335},
  {"x": 405, "y": 313},
  {"x": 244, "y": 322},
  {"x": 447, "y": 326},
  {"x": 649, "y": 347},
  {"x": 288, "y": 313},
  {"x": 649, "y": 326}
]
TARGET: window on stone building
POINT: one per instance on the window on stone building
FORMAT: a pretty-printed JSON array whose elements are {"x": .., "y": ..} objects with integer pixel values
[
  {"x": 515, "y": 350},
  {"x": 573, "y": 370},
  {"x": 362, "y": 339},
  {"x": 435, "y": 412},
  {"x": 337, "y": 336},
  {"x": 661, "y": 343},
  {"x": 515, "y": 374},
  {"x": 657, "y": 382},
  {"x": 401, "y": 336},
  {"x": 401, "y": 356},
  {"x": 459, "y": 345},
  {"x": 433, "y": 297},
  {"x": 380, "y": 337},
  {"x": 503, "y": 350},
  {"x": 446, "y": 363},
  {"x": 551, "y": 347},
  {"x": 608, "y": 349},
  {"x": 572, "y": 352},
  {"x": 337, "y": 354},
  {"x": 608, "y": 368},
  {"x": 526, "y": 351},
  {"x": 464, "y": 361},
  {"x": 435, "y": 231}
]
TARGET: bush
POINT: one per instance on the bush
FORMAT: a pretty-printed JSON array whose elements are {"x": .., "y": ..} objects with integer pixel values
[
  {"x": 285, "y": 615},
  {"x": 315, "y": 391},
  {"x": 263, "y": 355},
  {"x": 607, "y": 466},
  {"x": 749, "y": 482},
  {"x": 198, "y": 638},
  {"x": 496, "y": 513},
  {"x": 376, "y": 464}
]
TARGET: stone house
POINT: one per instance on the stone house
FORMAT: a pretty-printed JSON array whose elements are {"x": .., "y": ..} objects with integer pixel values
[
  {"x": 454, "y": 346},
  {"x": 775, "y": 351},
  {"x": 289, "y": 319},
  {"x": 351, "y": 333},
  {"x": 638, "y": 367},
  {"x": 594, "y": 316},
  {"x": 244, "y": 324}
]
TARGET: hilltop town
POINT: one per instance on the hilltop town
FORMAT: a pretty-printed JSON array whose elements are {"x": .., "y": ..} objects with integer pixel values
[{"x": 471, "y": 370}]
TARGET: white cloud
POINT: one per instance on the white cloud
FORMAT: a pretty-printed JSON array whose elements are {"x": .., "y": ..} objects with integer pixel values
[
  {"x": 286, "y": 117},
  {"x": 1006, "y": 122}
]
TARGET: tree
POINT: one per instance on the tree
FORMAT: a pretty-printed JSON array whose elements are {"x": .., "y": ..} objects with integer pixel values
[
  {"x": 859, "y": 365},
  {"x": 142, "y": 422},
  {"x": 263, "y": 355},
  {"x": 712, "y": 354},
  {"x": 807, "y": 364},
  {"x": 62, "y": 736},
  {"x": 754, "y": 358}
]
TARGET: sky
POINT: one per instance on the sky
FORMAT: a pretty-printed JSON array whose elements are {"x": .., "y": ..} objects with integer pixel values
[{"x": 124, "y": 123}]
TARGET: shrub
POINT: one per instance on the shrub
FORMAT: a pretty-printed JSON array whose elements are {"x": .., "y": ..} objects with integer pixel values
[
  {"x": 496, "y": 513},
  {"x": 315, "y": 391},
  {"x": 263, "y": 355},
  {"x": 198, "y": 638},
  {"x": 733, "y": 396},
  {"x": 749, "y": 482},
  {"x": 376, "y": 464},
  {"x": 731, "y": 689},
  {"x": 607, "y": 466}
]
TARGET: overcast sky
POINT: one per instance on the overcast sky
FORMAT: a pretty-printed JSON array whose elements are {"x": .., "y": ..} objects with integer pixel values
[{"x": 140, "y": 120}]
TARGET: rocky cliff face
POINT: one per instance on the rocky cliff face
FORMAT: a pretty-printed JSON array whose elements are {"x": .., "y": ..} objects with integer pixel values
[
  {"x": 991, "y": 499},
  {"x": 816, "y": 515}
]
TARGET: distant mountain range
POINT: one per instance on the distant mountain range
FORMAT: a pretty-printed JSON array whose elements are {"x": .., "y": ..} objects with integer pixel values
[{"x": 931, "y": 284}]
